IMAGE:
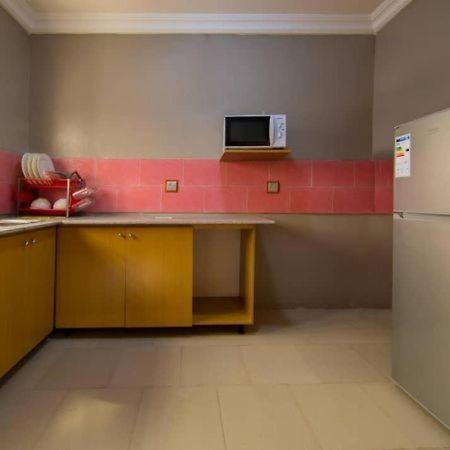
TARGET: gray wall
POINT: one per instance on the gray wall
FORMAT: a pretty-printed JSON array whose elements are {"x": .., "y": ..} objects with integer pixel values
[
  {"x": 412, "y": 69},
  {"x": 165, "y": 96},
  {"x": 330, "y": 261},
  {"x": 14, "y": 84}
]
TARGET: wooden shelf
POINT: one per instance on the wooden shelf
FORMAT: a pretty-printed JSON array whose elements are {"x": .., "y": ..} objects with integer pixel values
[
  {"x": 221, "y": 311},
  {"x": 245, "y": 154}
]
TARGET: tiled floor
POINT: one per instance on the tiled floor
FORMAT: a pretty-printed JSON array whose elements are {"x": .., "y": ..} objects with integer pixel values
[{"x": 303, "y": 379}]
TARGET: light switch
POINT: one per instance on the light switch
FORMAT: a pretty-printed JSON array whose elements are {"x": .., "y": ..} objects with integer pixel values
[
  {"x": 273, "y": 187},
  {"x": 171, "y": 185}
]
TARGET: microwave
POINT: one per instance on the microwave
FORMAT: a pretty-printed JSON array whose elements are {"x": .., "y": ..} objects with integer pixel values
[{"x": 255, "y": 131}]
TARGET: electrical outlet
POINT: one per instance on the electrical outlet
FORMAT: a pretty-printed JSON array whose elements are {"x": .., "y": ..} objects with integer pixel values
[
  {"x": 273, "y": 187},
  {"x": 171, "y": 185}
]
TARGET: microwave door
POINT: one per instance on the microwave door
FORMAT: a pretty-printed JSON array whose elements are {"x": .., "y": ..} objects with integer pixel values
[
  {"x": 271, "y": 131},
  {"x": 248, "y": 131}
]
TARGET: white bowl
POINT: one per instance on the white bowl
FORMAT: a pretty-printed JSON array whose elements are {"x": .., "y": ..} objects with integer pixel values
[
  {"x": 41, "y": 203},
  {"x": 60, "y": 204}
]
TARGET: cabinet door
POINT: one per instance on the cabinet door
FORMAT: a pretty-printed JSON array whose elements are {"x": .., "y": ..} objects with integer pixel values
[
  {"x": 159, "y": 277},
  {"x": 90, "y": 289},
  {"x": 39, "y": 269},
  {"x": 11, "y": 300}
]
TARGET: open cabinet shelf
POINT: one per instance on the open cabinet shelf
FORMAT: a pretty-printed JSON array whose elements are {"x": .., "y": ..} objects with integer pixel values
[
  {"x": 221, "y": 311},
  {"x": 228, "y": 300}
]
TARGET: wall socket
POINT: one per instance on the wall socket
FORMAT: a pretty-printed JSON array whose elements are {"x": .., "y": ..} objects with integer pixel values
[
  {"x": 171, "y": 185},
  {"x": 273, "y": 187}
]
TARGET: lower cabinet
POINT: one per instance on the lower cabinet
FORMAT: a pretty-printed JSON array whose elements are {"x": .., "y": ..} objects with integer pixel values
[
  {"x": 26, "y": 293},
  {"x": 124, "y": 277}
]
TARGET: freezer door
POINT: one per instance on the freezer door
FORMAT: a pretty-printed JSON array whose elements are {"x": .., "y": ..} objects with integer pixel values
[
  {"x": 421, "y": 311},
  {"x": 427, "y": 189}
]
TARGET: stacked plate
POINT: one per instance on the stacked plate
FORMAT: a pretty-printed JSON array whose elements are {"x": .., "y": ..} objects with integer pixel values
[{"x": 36, "y": 165}]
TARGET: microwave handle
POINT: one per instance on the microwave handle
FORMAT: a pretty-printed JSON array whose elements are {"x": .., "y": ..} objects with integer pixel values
[{"x": 272, "y": 131}]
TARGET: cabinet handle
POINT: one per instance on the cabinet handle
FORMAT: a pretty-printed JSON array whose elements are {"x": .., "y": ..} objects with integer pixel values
[
  {"x": 131, "y": 236},
  {"x": 34, "y": 241},
  {"x": 121, "y": 235},
  {"x": 27, "y": 243}
]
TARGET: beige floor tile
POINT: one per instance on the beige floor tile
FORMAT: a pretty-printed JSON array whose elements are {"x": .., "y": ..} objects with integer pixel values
[
  {"x": 81, "y": 368},
  {"x": 277, "y": 365},
  {"x": 24, "y": 416},
  {"x": 343, "y": 416},
  {"x": 263, "y": 418},
  {"x": 337, "y": 333},
  {"x": 212, "y": 366},
  {"x": 28, "y": 375},
  {"x": 179, "y": 419},
  {"x": 339, "y": 364},
  {"x": 94, "y": 419},
  {"x": 422, "y": 429},
  {"x": 378, "y": 355},
  {"x": 155, "y": 366}
]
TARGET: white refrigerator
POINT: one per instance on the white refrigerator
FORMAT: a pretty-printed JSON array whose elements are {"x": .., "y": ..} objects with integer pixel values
[{"x": 421, "y": 281}]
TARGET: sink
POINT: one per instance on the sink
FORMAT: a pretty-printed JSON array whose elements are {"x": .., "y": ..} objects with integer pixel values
[{"x": 9, "y": 222}]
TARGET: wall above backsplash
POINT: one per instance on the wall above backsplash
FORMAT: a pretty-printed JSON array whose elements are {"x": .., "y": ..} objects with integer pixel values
[
  {"x": 328, "y": 187},
  {"x": 144, "y": 96}
]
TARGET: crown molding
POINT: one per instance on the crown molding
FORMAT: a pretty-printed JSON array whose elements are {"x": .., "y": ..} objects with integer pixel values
[
  {"x": 39, "y": 23},
  {"x": 21, "y": 11},
  {"x": 386, "y": 12}
]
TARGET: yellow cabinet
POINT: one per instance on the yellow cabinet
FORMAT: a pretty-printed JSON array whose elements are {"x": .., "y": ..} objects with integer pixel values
[
  {"x": 27, "y": 264},
  {"x": 159, "y": 277},
  {"x": 90, "y": 287},
  {"x": 116, "y": 277}
]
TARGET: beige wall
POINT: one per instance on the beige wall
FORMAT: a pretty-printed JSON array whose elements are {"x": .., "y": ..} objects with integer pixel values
[
  {"x": 412, "y": 69},
  {"x": 324, "y": 261},
  {"x": 165, "y": 96},
  {"x": 14, "y": 84}
]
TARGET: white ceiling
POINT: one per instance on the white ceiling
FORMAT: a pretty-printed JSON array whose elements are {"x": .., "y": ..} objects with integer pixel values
[
  {"x": 204, "y": 16},
  {"x": 207, "y": 6}
]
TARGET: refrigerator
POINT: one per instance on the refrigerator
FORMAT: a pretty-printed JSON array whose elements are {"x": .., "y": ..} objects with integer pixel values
[{"x": 421, "y": 255}]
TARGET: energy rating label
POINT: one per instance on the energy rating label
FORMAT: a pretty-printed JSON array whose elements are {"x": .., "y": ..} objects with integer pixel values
[{"x": 403, "y": 156}]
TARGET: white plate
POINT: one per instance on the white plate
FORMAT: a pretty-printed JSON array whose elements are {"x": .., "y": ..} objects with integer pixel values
[
  {"x": 32, "y": 166},
  {"x": 44, "y": 164},
  {"x": 24, "y": 164}
]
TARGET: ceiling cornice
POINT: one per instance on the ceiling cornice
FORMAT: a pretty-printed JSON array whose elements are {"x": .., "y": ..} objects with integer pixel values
[
  {"x": 49, "y": 23},
  {"x": 386, "y": 12}
]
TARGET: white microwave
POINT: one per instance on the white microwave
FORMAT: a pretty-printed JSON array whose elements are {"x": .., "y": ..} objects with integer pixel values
[{"x": 255, "y": 131}]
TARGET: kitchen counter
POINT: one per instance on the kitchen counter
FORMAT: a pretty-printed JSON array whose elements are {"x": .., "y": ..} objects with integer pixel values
[{"x": 118, "y": 219}]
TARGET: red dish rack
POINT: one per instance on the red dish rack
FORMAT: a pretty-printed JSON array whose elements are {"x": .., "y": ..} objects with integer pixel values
[{"x": 30, "y": 189}]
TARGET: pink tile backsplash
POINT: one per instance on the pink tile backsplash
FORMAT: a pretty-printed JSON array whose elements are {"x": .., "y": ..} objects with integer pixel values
[
  {"x": 9, "y": 170},
  {"x": 133, "y": 185},
  {"x": 154, "y": 172}
]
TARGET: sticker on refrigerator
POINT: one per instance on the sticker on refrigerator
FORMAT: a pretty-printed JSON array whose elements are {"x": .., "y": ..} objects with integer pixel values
[{"x": 403, "y": 156}]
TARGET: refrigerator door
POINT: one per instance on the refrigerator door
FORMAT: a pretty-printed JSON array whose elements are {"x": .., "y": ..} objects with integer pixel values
[
  {"x": 421, "y": 311},
  {"x": 427, "y": 189}
]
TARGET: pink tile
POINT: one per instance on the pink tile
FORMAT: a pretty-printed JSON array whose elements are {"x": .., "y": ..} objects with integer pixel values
[
  {"x": 187, "y": 199},
  {"x": 9, "y": 167},
  {"x": 247, "y": 173},
  {"x": 291, "y": 172},
  {"x": 7, "y": 198},
  {"x": 204, "y": 172},
  {"x": 364, "y": 173},
  {"x": 105, "y": 200},
  {"x": 353, "y": 200},
  {"x": 312, "y": 200},
  {"x": 86, "y": 167},
  {"x": 118, "y": 172},
  {"x": 384, "y": 172},
  {"x": 384, "y": 200},
  {"x": 139, "y": 199},
  {"x": 333, "y": 173},
  {"x": 154, "y": 172},
  {"x": 259, "y": 201},
  {"x": 226, "y": 199}
]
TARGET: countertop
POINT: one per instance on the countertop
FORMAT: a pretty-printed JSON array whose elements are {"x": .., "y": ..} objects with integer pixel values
[{"x": 36, "y": 223}]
